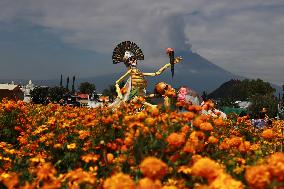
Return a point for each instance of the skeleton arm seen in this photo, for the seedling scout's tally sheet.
(162, 69)
(117, 84)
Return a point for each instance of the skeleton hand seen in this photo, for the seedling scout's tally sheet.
(178, 59)
(119, 95)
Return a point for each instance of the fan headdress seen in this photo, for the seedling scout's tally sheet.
(124, 50)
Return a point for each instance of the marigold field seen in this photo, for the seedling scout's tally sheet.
(55, 146)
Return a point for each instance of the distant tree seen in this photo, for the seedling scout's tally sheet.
(204, 95)
(257, 91)
(39, 95)
(242, 90)
(282, 92)
(268, 101)
(56, 93)
(61, 80)
(111, 91)
(67, 84)
(87, 88)
(73, 85)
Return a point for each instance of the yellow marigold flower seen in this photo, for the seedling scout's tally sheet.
(213, 140)
(78, 176)
(206, 126)
(201, 186)
(176, 139)
(10, 180)
(276, 165)
(110, 158)
(71, 146)
(239, 169)
(169, 187)
(150, 121)
(185, 170)
(258, 177)
(254, 147)
(119, 181)
(267, 134)
(147, 183)
(225, 181)
(207, 168)
(153, 168)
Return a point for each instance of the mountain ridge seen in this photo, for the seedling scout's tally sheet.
(195, 72)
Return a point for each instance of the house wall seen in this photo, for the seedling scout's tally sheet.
(16, 94)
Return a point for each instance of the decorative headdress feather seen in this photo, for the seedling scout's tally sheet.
(121, 48)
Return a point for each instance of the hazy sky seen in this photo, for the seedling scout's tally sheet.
(41, 39)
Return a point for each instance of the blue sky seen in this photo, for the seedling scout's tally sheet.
(41, 39)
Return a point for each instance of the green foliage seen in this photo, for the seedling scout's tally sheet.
(56, 93)
(257, 91)
(267, 101)
(111, 91)
(242, 90)
(43, 95)
(39, 95)
(87, 88)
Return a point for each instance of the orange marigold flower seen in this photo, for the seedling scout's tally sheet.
(185, 129)
(46, 172)
(154, 111)
(224, 144)
(119, 181)
(244, 146)
(197, 122)
(258, 177)
(219, 122)
(188, 115)
(267, 134)
(235, 141)
(206, 126)
(225, 181)
(153, 168)
(276, 165)
(147, 183)
(176, 139)
(90, 158)
(207, 168)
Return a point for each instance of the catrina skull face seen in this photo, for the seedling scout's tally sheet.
(129, 59)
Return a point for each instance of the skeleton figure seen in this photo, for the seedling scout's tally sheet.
(128, 52)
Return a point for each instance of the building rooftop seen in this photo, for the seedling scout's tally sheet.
(8, 86)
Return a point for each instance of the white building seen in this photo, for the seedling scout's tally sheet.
(27, 91)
